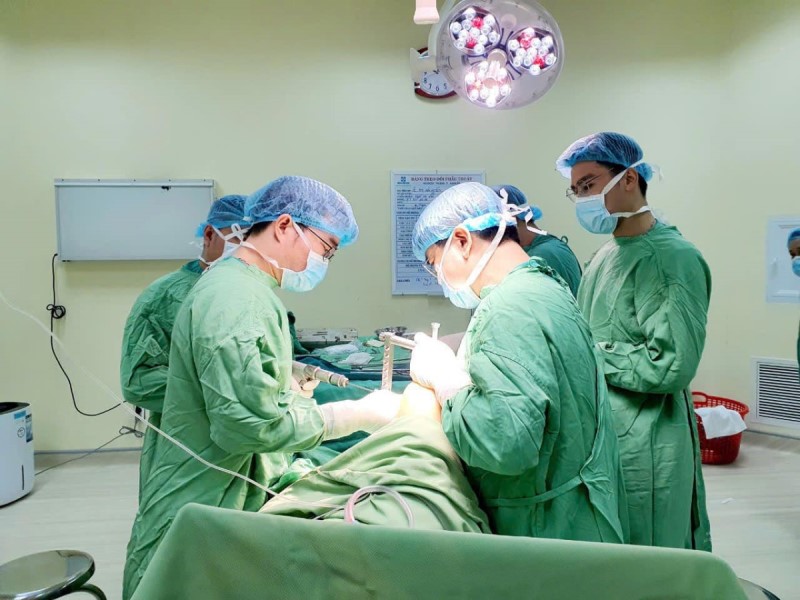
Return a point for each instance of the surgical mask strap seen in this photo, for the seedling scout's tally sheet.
(487, 255)
(628, 215)
(308, 244)
(515, 211)
(252, 247)
(302, 235)
(617, 178)
(236, 232)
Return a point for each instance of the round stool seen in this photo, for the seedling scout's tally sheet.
(756, 592)
(48, 575)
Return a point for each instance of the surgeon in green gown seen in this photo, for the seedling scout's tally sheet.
(555, 251)
(793, 244)
(645, 295)
(148, 330)
(524, 404)
(229, 392)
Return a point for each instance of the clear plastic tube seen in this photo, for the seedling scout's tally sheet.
(349, 508)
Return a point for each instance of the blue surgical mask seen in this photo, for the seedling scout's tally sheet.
(463, 296)
(310, 277)
(592, 212)
(299, 281)
(796, 265)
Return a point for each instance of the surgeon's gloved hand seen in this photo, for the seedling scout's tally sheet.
(368, 414)
(306, 390)
(434, 365)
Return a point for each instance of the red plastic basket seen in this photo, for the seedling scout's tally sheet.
(723, 450)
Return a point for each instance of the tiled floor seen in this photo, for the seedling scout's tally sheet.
(89, 505)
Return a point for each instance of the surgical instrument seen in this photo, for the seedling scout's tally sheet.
(391, 340)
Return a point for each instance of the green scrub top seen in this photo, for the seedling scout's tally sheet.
(534, 430)
(559, 256)
(145, 350)
(646, 300)
(229, 399)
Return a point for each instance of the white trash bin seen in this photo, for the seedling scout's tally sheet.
(16, 451)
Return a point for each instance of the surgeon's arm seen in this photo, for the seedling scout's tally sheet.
(673, 322)
(498, 423)
(143, 368)
(248, 406)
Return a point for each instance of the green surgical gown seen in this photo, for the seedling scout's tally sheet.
(646, 299)
(145, 350)
(559, 256)
(534, 430)
(411, 456)
(229, 399)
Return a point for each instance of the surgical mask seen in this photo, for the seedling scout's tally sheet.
(592, 212)
(796, 265)
(463, 296)
(230, 247)
(298, 281)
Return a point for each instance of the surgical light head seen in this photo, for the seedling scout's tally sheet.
(499, 53)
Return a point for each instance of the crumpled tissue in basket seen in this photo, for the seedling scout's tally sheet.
(719, 421)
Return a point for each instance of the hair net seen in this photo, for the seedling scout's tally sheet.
(473, 205)
(515, 196)
(607, 147)
(794, 235)
(225, 212)
(309, 202)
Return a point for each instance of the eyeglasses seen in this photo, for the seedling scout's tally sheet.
(430, 269)
(329, 250)
(583, 188)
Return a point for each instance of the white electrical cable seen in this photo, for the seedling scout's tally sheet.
(133, 413)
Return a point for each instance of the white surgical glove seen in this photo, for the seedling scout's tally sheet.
(306, 390)
(369, 414)
(434, 365)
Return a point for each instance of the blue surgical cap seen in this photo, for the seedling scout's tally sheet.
(309, 202)
(794, 235)
(515, 196)
(608, 147)
(472, 205)
(225, 212)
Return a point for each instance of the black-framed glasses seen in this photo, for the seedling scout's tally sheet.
(330, 251)
(583, 188)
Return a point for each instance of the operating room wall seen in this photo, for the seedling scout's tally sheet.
(244, 91)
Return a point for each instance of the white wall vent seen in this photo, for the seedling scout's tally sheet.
(776, 391)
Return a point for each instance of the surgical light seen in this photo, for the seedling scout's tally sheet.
(497, 54)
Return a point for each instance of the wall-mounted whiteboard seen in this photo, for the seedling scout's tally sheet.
(412, 191)
(130, 219)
